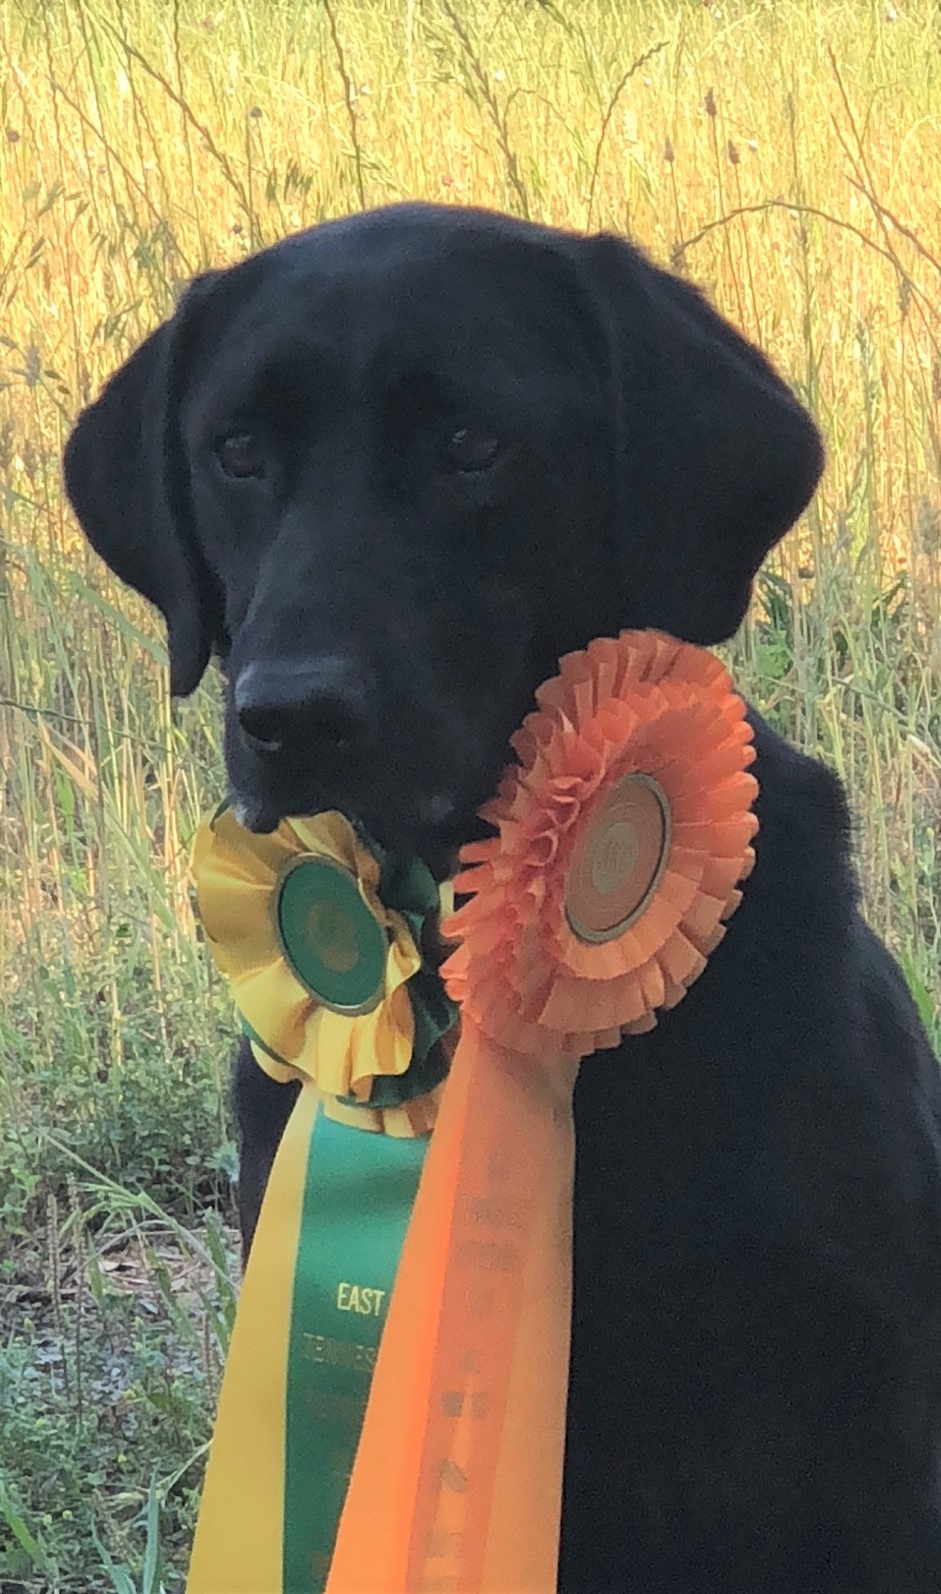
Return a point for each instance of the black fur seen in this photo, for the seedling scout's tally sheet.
(756, 1374)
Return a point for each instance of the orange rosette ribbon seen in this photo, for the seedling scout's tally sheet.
(622, 836)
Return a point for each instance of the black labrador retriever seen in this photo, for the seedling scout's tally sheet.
(388, 471)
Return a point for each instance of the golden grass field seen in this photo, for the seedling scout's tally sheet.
(784, 153)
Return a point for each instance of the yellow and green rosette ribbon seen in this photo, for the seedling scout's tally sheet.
(321, 939)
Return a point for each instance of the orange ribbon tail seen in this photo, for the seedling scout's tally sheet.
(473, 1363)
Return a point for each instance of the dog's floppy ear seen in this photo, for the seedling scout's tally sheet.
(127, 480)
(715, 457)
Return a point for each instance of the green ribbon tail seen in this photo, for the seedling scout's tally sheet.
(358, 1197)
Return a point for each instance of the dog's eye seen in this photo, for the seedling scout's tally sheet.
(470, 449)
(240, 454)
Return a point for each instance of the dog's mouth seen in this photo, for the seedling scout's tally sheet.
(414, 791)
(435, 831)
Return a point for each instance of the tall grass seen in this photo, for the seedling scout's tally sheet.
(785, 153)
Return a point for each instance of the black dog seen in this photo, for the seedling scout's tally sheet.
(389, 471)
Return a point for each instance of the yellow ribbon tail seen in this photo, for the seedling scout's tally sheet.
(245, 1476)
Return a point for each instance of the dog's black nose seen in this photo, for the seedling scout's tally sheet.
(302, 705)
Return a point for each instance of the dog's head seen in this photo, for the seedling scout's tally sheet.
(392, 468)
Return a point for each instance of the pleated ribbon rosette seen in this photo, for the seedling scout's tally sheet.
(320, 938)
(622, 834)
